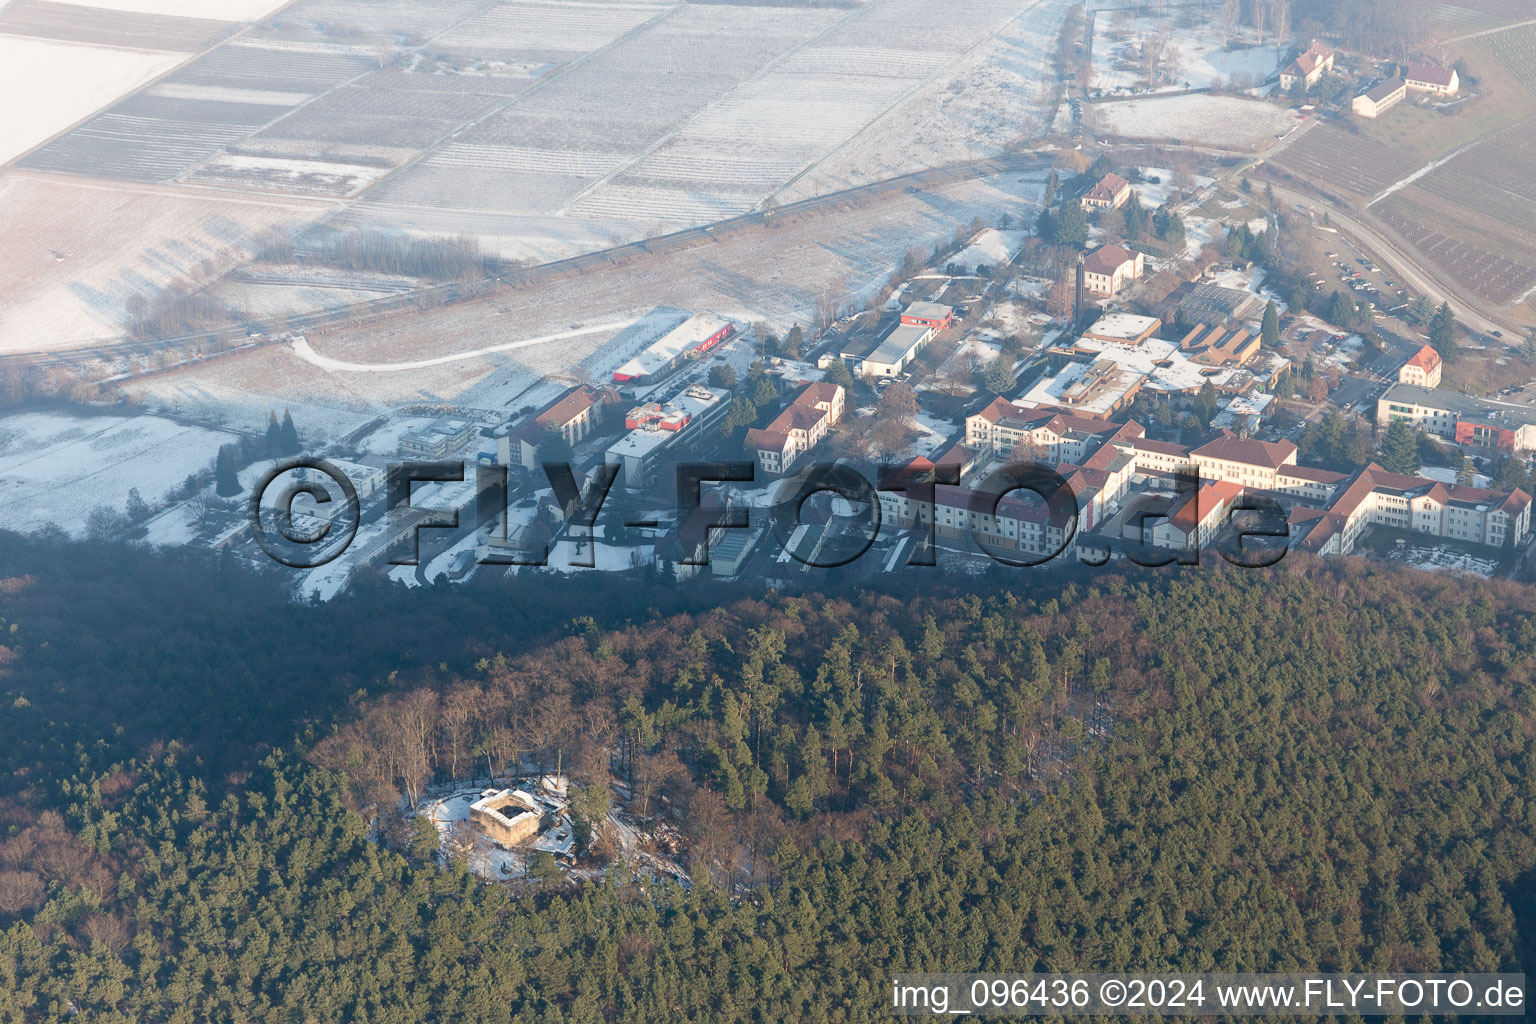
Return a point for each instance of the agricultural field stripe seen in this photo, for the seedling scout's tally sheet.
(302, 348)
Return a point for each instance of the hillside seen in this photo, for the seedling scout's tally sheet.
(1207, 770)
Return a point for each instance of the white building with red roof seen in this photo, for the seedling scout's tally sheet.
(1309, 66)
(1112, 192)
(799, 428)
(1423, 370)
(1110, 268)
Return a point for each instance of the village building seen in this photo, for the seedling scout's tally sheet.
(1309, 67)
(1110, 268)
(1111, 193)
(1432, 78)
(573, 416)
(1125, 328)
(799, 428)
(1195, 520)
(438, 438)
(1381, 98)
(656, 429)
(896, 350)
(1463, 419)
(1423, 370)
(1220, 346)
(929, 314)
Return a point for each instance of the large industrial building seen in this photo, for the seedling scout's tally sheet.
(688, 340)
(1460, 418)
(656, 428)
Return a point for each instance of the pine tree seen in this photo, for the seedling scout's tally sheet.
(793, 341)
(226, 481)
(1071, 225)
(1270, 335)
(290, 436)
(1400, 448)
(838, 374)
(1207, 403)
(1000, 375)
(1442, 332)
(274, 446)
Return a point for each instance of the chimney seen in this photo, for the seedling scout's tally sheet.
(1077, 303)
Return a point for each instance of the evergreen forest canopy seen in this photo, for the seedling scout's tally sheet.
(1323, 765)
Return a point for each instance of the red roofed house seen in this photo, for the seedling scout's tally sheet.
(1056, 437)
(1198, 518)
(1433, 78)
(574, 415)
(1110, 268)
(1423, 369)
(1309, 66)
(1495, 518)
(1244, 460)
(799, 428)
(1112, 192)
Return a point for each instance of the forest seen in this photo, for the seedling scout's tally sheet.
(1324, 765)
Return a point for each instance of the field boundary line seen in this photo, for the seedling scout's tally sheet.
(666, 137)
(891, 107)
(498, 109)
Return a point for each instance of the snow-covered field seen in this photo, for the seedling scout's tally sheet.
(57, 467)
(1230, 122)
(49, 85)
(991, 248)
(72, 251)
(1197, 58)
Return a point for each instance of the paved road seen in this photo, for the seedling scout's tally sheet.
(1389, 254)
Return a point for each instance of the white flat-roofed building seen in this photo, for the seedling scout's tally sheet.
(689, 339)
(896, 352)
(663, 426)
(437, 438)
(1128, 328)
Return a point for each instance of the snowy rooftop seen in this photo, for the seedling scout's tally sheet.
(1091, 388)
(686, 336)
(1125, 326)
(690, 402)
(1166, 368)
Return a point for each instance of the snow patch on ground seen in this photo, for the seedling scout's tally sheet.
(48, 85)
(1226, 121)
(56, 467)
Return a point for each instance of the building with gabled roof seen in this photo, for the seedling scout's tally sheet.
(1310, 65)
(1423, 370)
(799, 428)
(1219, 345)
(1417, 505)
(1432, 78)
(1112, 192)
(1195, 520)
(1109, 268)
